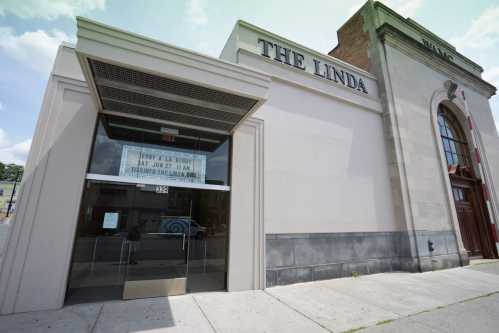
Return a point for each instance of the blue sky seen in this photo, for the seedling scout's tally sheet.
(31, 30)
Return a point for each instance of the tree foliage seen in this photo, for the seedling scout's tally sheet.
(9, 172)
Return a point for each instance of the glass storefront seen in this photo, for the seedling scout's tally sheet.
(144, 151)
(148, 238)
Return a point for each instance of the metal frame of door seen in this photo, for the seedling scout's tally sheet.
(133, 289)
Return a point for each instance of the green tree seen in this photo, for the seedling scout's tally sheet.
(9, 172)
(2, 171)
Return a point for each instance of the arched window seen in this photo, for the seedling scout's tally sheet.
(454, 141)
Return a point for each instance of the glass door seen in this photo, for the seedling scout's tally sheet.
(154, 214)
(132, 242)
(137, 241)
(157, 242)
(98, 265)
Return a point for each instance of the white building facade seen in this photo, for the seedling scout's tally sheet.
(158, 171)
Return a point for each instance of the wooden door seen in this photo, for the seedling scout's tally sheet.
(473, 217)
(467, 220)
(471, 207)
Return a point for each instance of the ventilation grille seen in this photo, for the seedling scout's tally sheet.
(161, 104)
(167, 116)
(146, 80)
(133, 92)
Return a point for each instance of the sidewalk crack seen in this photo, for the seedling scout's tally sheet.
(297, 311)
(204, 314)
(92, 329)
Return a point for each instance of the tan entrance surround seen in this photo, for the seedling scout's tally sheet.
(40, 241)
(470, 213)
(469, 202)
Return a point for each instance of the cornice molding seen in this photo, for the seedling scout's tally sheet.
(422, 30)
(412, 24)
(394, 37)
(98, 32)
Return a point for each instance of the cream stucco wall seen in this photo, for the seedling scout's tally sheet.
(326, 166)
(414, 84)
(35, 268)
(488, 141)
(34, 271)
(315, 158)
(246, 232)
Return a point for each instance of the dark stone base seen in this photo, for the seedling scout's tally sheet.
(433, 263)
(283, 276)
(293, 258)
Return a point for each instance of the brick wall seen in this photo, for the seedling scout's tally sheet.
(353, 43)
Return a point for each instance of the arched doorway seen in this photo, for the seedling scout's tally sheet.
(466, 187)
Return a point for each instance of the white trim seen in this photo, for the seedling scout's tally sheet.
(113, 46)
(246, 254)
(371, 103)
(122, 48)
(453, 71)
(90, 28)
(138, 129)
(131, 180)
(165, 122)
(439, 96)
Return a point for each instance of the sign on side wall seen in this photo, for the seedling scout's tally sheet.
(158, 164)
(321, 68)
(437, 50)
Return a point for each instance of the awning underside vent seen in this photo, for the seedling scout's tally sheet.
(133, 92)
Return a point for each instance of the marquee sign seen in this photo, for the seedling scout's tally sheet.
(321, 69)
(158, 164)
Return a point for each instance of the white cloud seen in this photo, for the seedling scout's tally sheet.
(406, 8)
(483, 32)
(3, 138)
(36, 49)
(492, 76)
(49, 9)
(196, 13)
(13, 152)
(1, 106)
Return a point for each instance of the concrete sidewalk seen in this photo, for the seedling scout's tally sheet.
(454, 300)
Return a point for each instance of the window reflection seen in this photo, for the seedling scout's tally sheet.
(143, 150)
(459, 194)
(133, 233)
(453, 139)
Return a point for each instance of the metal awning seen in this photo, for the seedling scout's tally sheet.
(137, 77)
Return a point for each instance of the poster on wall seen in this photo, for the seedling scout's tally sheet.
(158, 164)
(110, 220)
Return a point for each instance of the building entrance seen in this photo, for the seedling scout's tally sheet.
(470, 206)
(154, 213)
(136, 241)
(469, 213)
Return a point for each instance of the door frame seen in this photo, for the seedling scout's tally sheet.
(459, 106)
(172, 286)
(480, 214)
